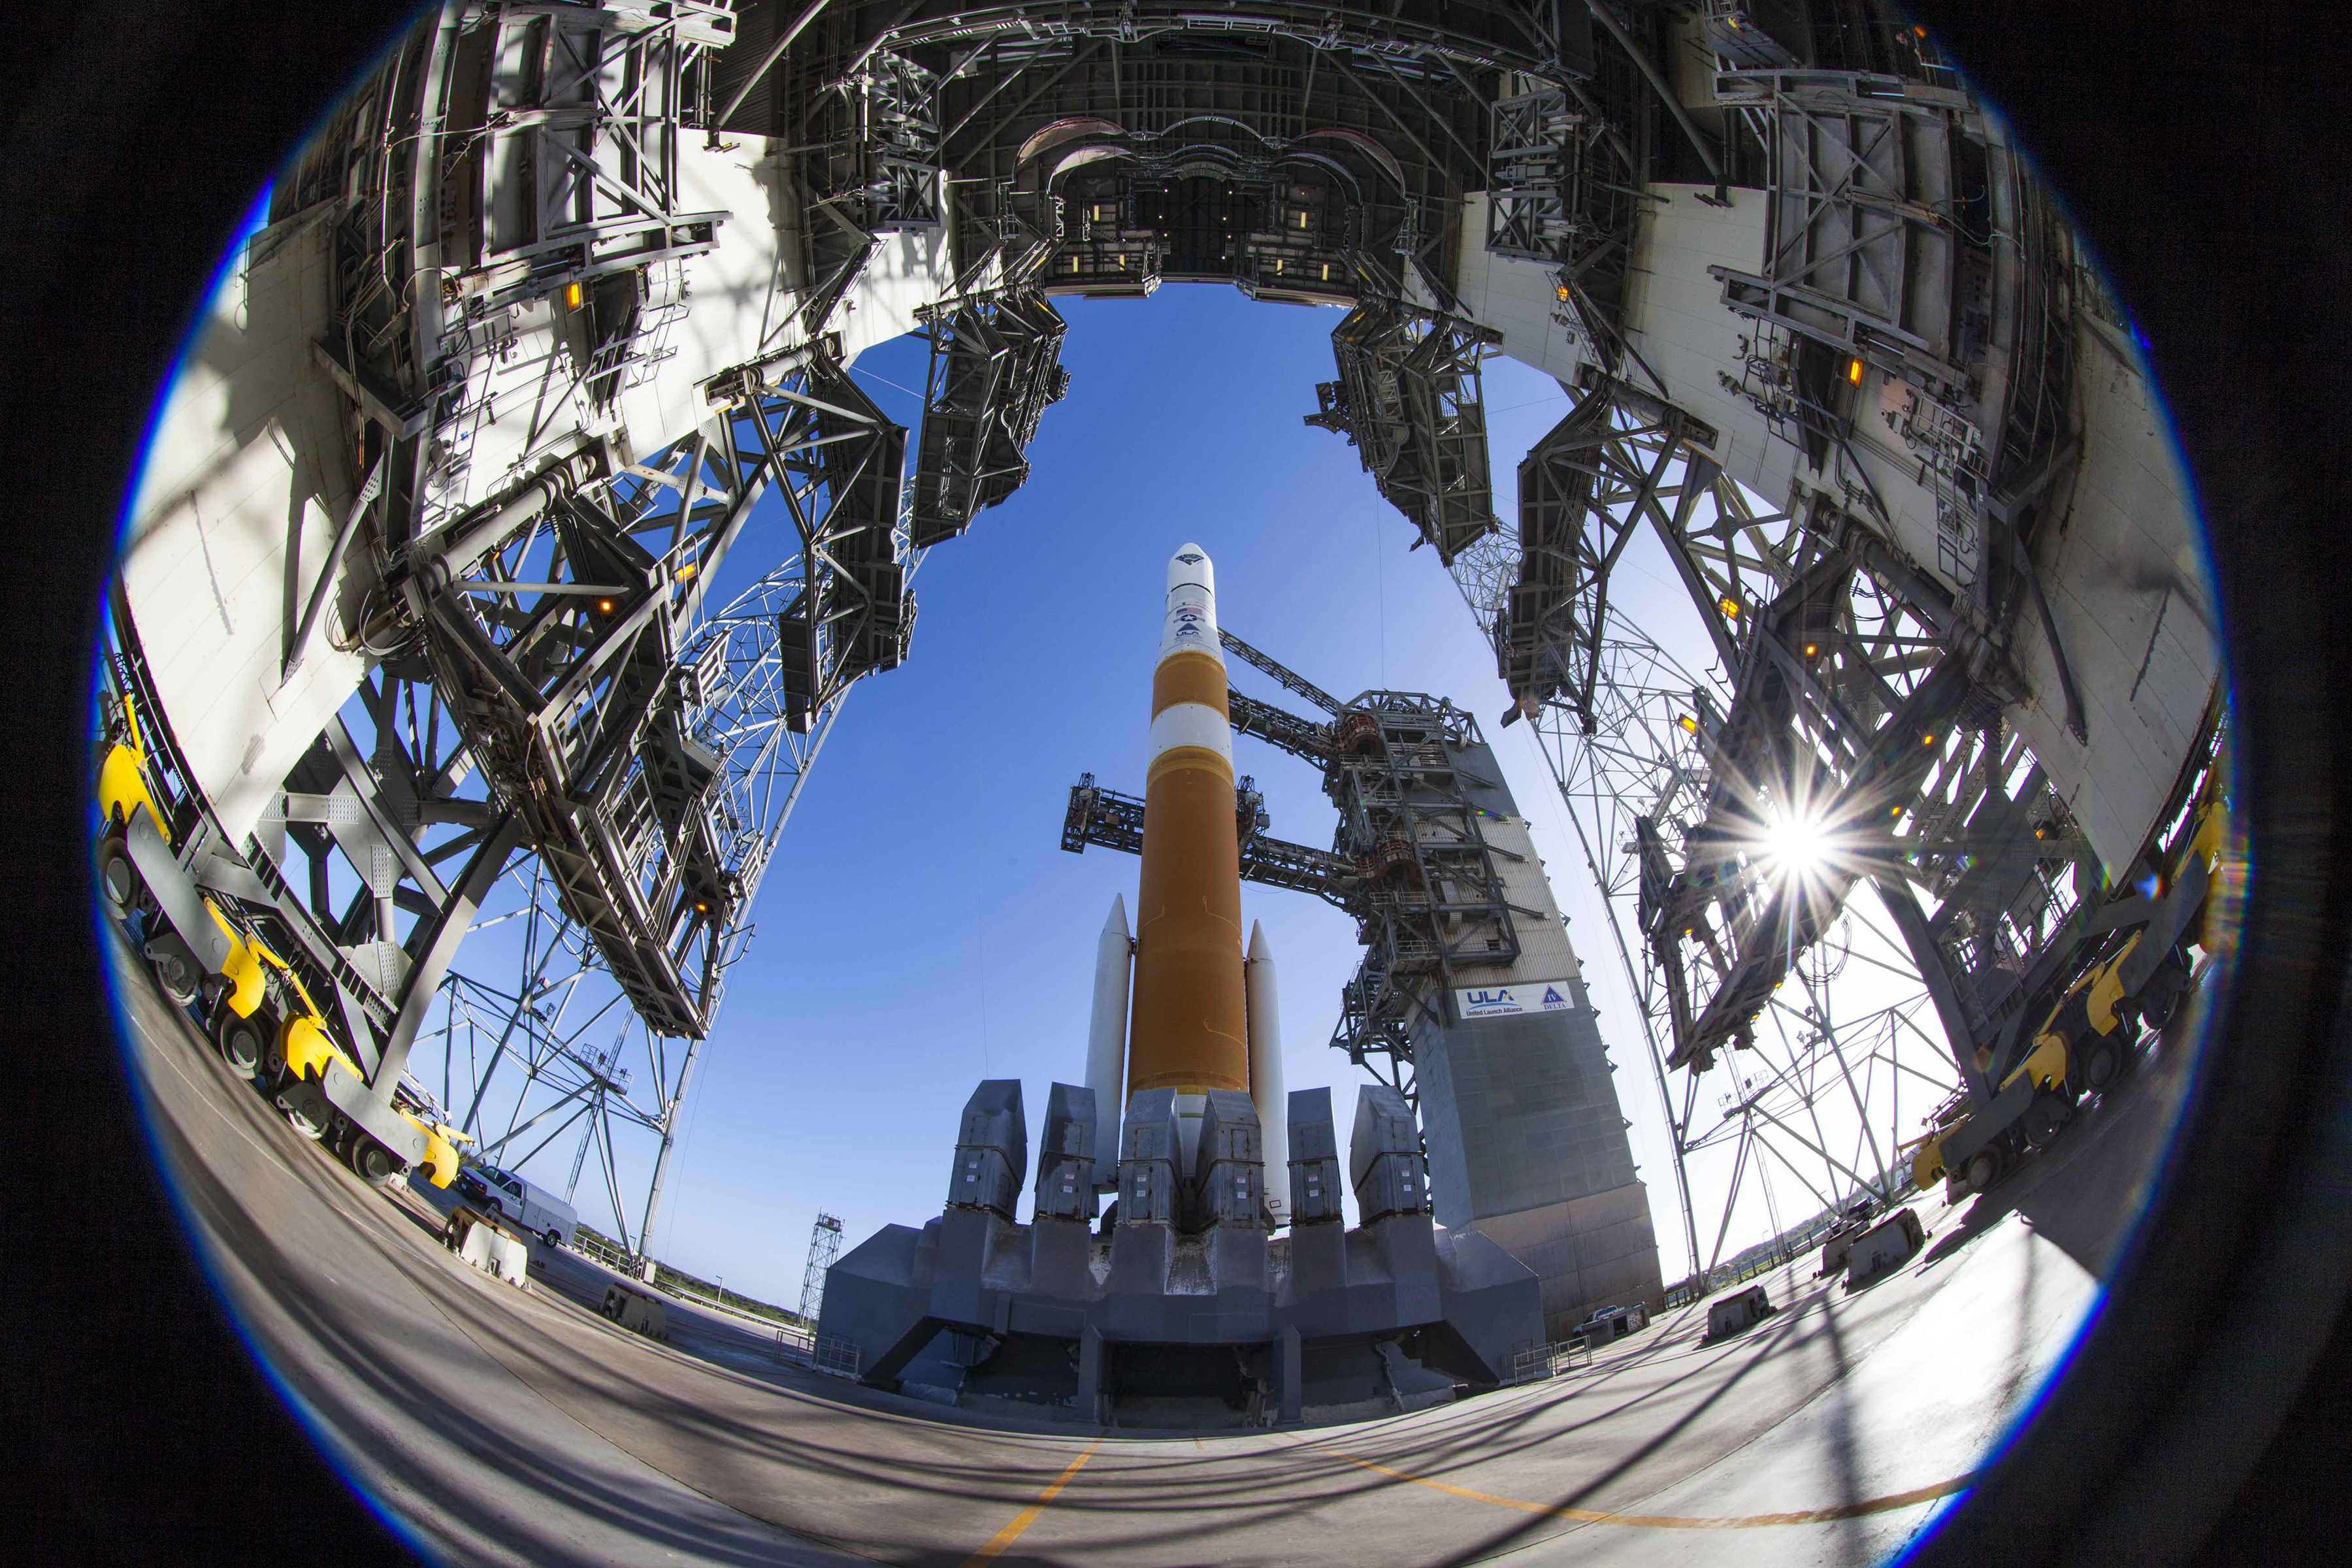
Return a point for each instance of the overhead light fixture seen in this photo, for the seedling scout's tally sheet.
(1854, 373)
(1926, 740)
(1561, 290)
(1729, 606)
(571, 296)
(605, 606)
(1688, 722)
(1811, 648)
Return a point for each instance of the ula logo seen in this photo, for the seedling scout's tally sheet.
(1490, 998)
(1190, 558)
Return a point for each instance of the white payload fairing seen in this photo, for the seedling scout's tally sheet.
(1183, 1006)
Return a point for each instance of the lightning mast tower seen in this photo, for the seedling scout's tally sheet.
(824, 1246)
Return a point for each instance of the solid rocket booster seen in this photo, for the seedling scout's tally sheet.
(1268, 1091)
(1107, 1043)
(1189, 1027)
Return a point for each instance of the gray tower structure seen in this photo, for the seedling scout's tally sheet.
(1518, 1104)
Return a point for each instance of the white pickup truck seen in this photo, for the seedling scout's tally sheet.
(533, 1208)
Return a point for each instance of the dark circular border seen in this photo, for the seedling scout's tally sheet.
(2201, 153)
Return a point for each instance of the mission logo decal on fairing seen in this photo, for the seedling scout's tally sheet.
(1504, 1001)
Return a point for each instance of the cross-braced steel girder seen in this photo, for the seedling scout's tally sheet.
(995, 365)
(1411, 400)
(559, 736)
(1109, 820)
(557, 619)
(1852, 698)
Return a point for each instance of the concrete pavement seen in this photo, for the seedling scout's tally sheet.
(507, 1426)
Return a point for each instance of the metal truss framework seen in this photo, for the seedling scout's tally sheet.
(995, 366)
(1834, 700)
(560, 738)
(825, 1247)
(1411, 401)
(1850, 694)
(585, 1055)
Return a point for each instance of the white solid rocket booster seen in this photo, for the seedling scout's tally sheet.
(1266, 1091)
(1107, 1043)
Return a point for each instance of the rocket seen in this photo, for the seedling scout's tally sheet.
(1189, 1027)
(1198, 1012)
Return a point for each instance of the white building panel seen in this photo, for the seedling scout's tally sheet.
(2121, 561)
(1518, 299)
(748, 268)
(907, 272)
(247, 482)
(1675, 319)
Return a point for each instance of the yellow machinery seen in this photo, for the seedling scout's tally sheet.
(2087, 1036)
(259, 1014)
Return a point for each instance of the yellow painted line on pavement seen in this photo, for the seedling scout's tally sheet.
(1028, 1516)
(1667, 1520)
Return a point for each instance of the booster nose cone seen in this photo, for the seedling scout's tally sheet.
(1192, 564)
(1191, 612)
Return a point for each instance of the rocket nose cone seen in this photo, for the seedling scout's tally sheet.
(1191, 565)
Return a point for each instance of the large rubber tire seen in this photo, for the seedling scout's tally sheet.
(176, 974)
(2102, 1060)
(2161, 999)
(307, 1110)
(553, 1239)
(1984, 1169)
(119, 886)
(2045, 1118)
(242, 1042)
(371, 1161)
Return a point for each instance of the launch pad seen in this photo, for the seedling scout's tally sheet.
(1184, 1303)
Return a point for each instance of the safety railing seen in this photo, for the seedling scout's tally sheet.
(1533, 1364)
(595, 1249)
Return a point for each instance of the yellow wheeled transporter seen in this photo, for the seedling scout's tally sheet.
(2138, 971)
(209, 958)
